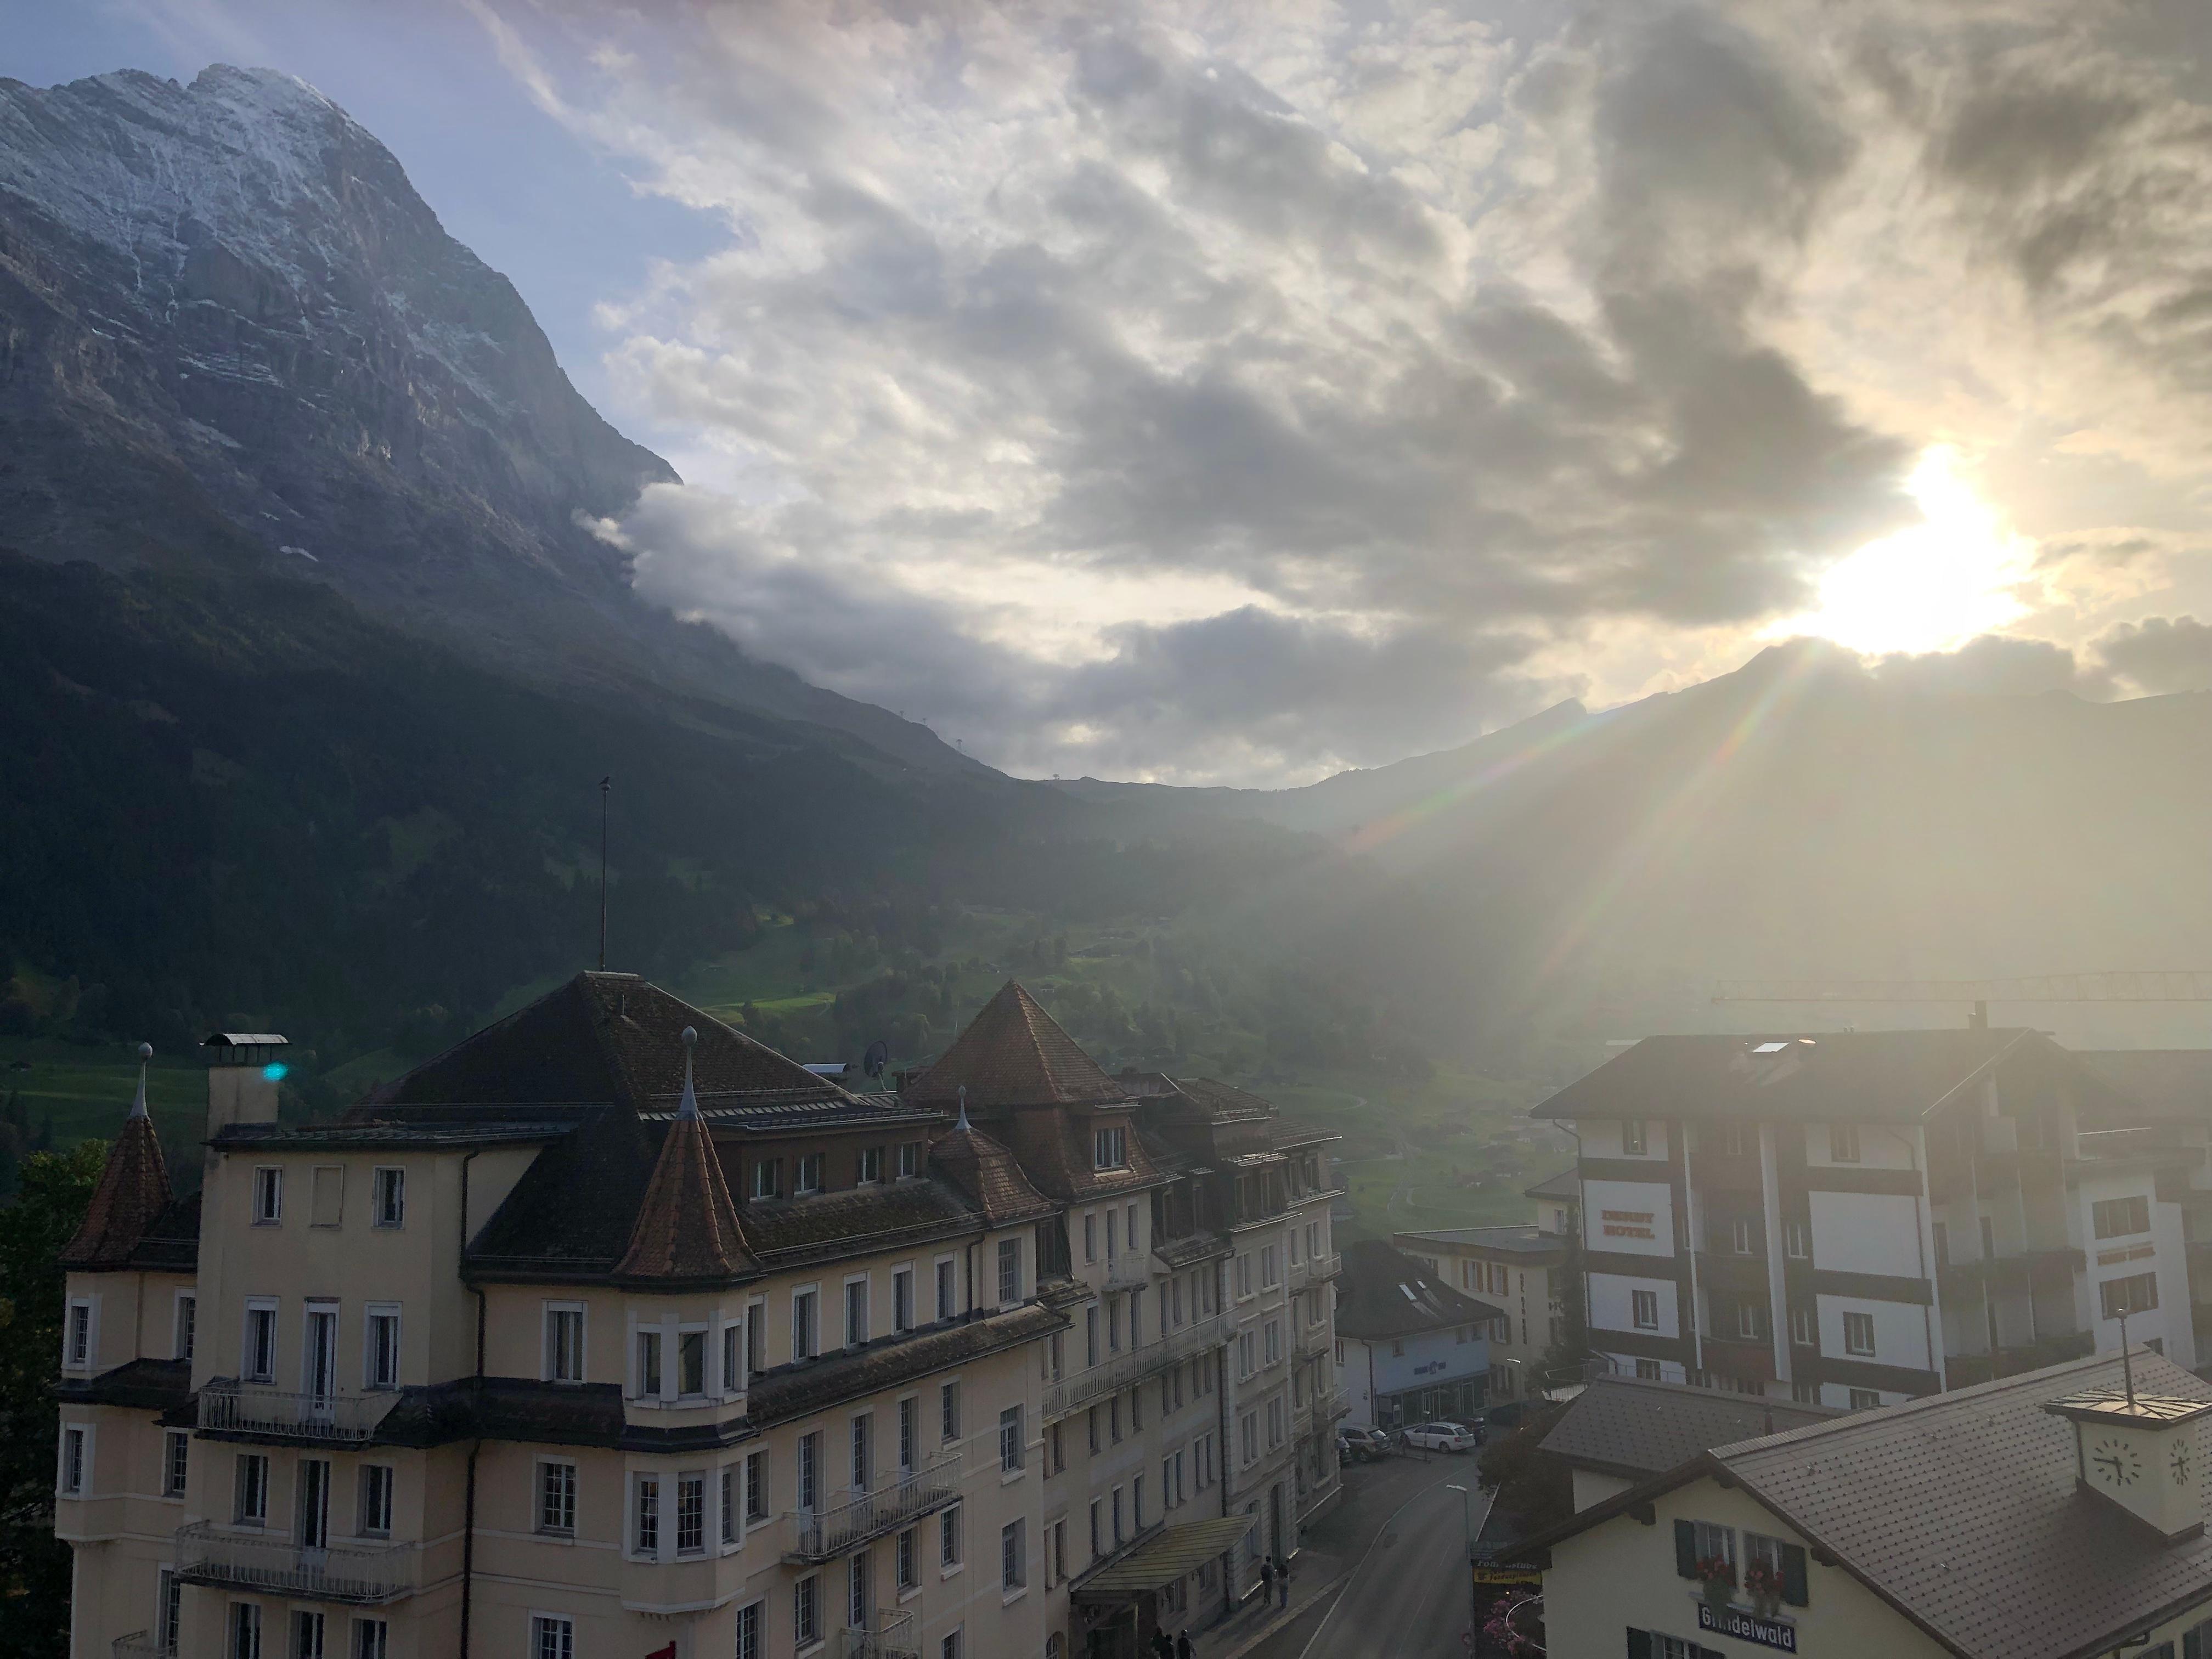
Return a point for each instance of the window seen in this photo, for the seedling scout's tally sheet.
(690, 1513)
(951, 1647)
(806, 1610)
(1740, 1236)
(649, 1366)
(872, 1165)
(749, 1631)
(1111, 1147)
(909, 1435)
(858, 1587)
(312, 1495)
(864, 1461)
(1009, 1272)
(1794, 1242)
(755, 1486)
(803, 1325)
(326, 1195)
(1859, 1333)
(553, 1636)
(76, 1340)
(176, 1462)
(947, 1303)
(564, 1342)
(1097, 1530)
(1802, 1330)
(1012, 1569)
(810, 1471)
(902, 1300)
(1632, 1139)
(1739, 1140)
(70, 1480)
(909, 1159)
(1654, 1645)
(733, 1359)
(169, 1609)
(1843, 1143)
(2135, 1294)
(1010, 1438)
(1090, 1235)
(690, 1364)
(810, 1173)
(1269, 1273)
(373, 1511)
(768, 1177)
(372, 1639)
(905, 1560)
(1865, 1399)
(1751, 1322)
(948, 1537)
(1643, 1310)
(245, 1629)
(1805, 1394)
(727, 1504)
(1273, 1331)
(2119, 1217)
(268, 1197)
(1647, 1370)
(250, 1491)
(306, 1635)
(948, 1412)
(387, 1198)
(856, 1313)
(381, 1350)
(187, 1317)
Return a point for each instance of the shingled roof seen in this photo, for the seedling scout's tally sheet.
(687, 1228)
(2161, 1083)
(1014, 1054)
(1385, 1293)
(988, 1174)
(1627, 1426)
(1863, 1076)
(132, 1193)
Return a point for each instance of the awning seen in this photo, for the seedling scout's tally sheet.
(1173, 1554)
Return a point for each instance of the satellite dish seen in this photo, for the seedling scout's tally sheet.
(878, 1057)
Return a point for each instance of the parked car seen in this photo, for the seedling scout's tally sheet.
(1357, 1441)
(1441, 1437)
(1472, 1425)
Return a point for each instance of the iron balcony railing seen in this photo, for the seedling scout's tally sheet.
(341, 1418)
(1315, 1268)
(139, 1645)
(898, 1502)
(886, 1635)
(1114, 1374)
(274, 1565)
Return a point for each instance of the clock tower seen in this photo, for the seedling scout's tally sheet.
(2140, 1451)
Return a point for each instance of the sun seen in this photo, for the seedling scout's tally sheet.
(1931, 587)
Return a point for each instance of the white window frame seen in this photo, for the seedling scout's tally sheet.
(73, 1466)
(364, 1483)
(708, 1360)
(636, 1544)
(1109, 1148)
(640, 1331)
(541, 1469)
(370, 1314)
(689, 1480)
(947, 1288)
(845, 1311)
(84, 1356)
(730, 1342)
(267, 1196)
(811, 1295)
(387, 1180)
(184, 1327)
(951, 1540)
(909, 1159)
(903, 1277)
(173, 1479)
(1013, 1558)
(552, 1635)
(1866, 1319)
(247, 1371)
(1005, 1245)
(547, 1360)
(1638, 1302)
(806, 1174)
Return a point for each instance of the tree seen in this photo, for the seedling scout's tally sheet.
(1535, 1488)
(34, 1566)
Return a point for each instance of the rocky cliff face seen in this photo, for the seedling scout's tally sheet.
(230, 330)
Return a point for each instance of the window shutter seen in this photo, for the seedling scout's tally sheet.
(1639, 1644)
(1793, 1575)
(1686, 1549)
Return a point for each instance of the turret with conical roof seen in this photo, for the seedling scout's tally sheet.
(133, 1190)
(687, 1228)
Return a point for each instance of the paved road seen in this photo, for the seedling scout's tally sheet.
(1407, 1597)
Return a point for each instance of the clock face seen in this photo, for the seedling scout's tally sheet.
(2113, 1461)
(2178, 1466)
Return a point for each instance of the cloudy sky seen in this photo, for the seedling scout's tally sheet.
(1239, 391)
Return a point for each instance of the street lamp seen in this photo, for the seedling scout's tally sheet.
(1467, 1533)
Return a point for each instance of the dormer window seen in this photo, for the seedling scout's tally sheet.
(1111, 1148)
(909, 1159)
(768, 1178)
(810, 1173)
(872, 1165)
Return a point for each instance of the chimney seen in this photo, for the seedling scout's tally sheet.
(2138, 1451)
(244, 1068)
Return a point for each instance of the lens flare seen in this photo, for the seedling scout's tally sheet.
(276, 1071)
(1931, 587)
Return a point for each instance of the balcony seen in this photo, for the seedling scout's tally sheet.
(341, 1419)
(1314, 1269)
(1313, 1339)
(1123, 1370)
(140, 1645)
(887, 1636)
(1131, 1271)
(845, 1527)
(273, 1564)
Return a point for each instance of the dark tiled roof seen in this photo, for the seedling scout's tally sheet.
(1640, 1429)
(359, 1135)
(1014, 1054)
(1223, 1100)
(604, 1037)
(171, 1244)
(987, 1174)
(687, 1228)
(1567, 1184)
(146, 1385)
(786, 1231)
(1385, 1293)
(1521, 1240)
(132, 1193)
(791, 1391)
(1886, 1076)
(2158, 1083)
(1963, 1510)
(575, 1209)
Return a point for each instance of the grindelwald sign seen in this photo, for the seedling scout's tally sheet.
(1779, 1633)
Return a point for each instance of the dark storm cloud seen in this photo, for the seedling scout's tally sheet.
(2162, 653)
(1994, 665)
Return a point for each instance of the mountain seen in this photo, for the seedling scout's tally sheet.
(232, 334)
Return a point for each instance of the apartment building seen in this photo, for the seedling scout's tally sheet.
(611, 1330)
(2059, 1513)
(1410, 1348)
(1519, 1269)
(1858, 1218)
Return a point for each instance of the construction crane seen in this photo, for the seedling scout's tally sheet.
(2182, 985)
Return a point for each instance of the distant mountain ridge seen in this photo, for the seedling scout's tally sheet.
(235, 334)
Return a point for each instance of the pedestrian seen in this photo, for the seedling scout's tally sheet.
(1161, 1647)
(1283, 1580)
(1184, 1647)
(1266, 1579)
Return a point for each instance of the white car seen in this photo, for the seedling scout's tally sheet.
(1441, 1437)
